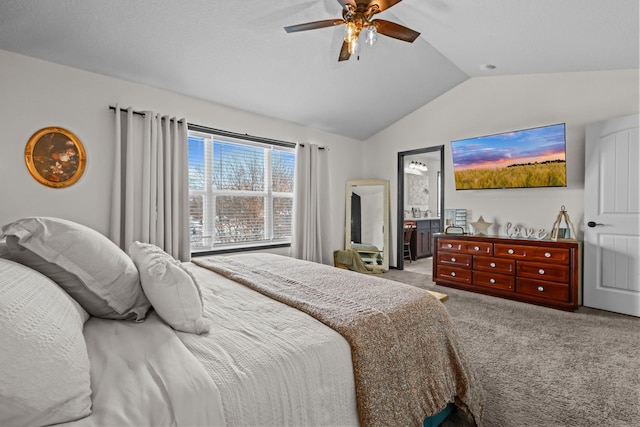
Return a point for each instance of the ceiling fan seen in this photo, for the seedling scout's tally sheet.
(357, 16)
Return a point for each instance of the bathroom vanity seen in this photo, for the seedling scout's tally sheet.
(422, 237)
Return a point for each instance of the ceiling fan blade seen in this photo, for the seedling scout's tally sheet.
(313, 25)
(397, 31)
(382, 4)
(344, 52)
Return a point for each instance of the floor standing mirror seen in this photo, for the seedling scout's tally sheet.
(367, 220)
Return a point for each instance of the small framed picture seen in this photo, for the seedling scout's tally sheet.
(55, 157)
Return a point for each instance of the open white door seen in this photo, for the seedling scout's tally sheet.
(612, 216)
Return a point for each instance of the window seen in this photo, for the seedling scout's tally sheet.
(240, 192)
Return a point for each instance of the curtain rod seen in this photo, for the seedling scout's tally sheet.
(319, 147)
(245, 136)
(221, 132)
(137, 113)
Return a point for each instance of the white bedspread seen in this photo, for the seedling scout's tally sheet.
(273, 364)
(142, 375)
(262, 364)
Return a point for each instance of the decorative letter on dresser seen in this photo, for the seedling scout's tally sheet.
(542, 272)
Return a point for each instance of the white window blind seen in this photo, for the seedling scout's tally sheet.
(240, 193)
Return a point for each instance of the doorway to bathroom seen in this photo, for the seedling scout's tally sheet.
(420, 206)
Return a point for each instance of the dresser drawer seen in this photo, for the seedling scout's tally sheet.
(556, 255)
(510, 251)
(497, 265)
(454, 259)
(454, 274)
(492, 280)
(532, 253)
(451, 245)
(542, 271)
(545, 290)
(480, 248)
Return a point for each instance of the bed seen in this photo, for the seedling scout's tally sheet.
(138, 338)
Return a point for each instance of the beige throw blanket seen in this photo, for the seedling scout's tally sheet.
(407, 359)
(351, 259)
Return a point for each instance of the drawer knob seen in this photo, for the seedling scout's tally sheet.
(477, 248)
(453, 260)
(492, 265)
(511, 251)
(547, 254)
(449, 245)
(453, 274)
(540, 289)
(541, 271)
(492, 280)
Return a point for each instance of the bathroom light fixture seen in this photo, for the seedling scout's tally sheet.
(418, 166)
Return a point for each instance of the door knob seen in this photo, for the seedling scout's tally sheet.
(593, 224)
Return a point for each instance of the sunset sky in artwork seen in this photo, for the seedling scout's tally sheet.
(505, 149)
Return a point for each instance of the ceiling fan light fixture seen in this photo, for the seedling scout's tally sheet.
(352, 33)
(372, 35)
(354, 47)
(358, 16)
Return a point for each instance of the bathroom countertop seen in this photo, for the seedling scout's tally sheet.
(422, 218)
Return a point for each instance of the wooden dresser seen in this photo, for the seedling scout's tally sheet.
(542, 272)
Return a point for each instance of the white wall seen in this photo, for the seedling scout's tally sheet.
(36, 94)
(488, 105)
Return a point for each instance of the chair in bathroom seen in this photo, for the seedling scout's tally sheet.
(408, 232)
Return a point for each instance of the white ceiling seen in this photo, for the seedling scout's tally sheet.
(236, 52)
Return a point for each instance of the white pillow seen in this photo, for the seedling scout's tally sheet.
(90, 267)
(43, 355)
(173, 292)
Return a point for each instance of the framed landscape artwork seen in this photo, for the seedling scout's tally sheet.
(55, 157)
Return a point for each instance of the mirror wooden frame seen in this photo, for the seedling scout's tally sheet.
(386, 207)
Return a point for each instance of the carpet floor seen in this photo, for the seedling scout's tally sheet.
(545, 367)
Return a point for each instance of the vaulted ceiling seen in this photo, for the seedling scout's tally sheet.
(236, 52)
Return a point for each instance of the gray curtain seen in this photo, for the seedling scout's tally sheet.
(150, 182)
(311, 230)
